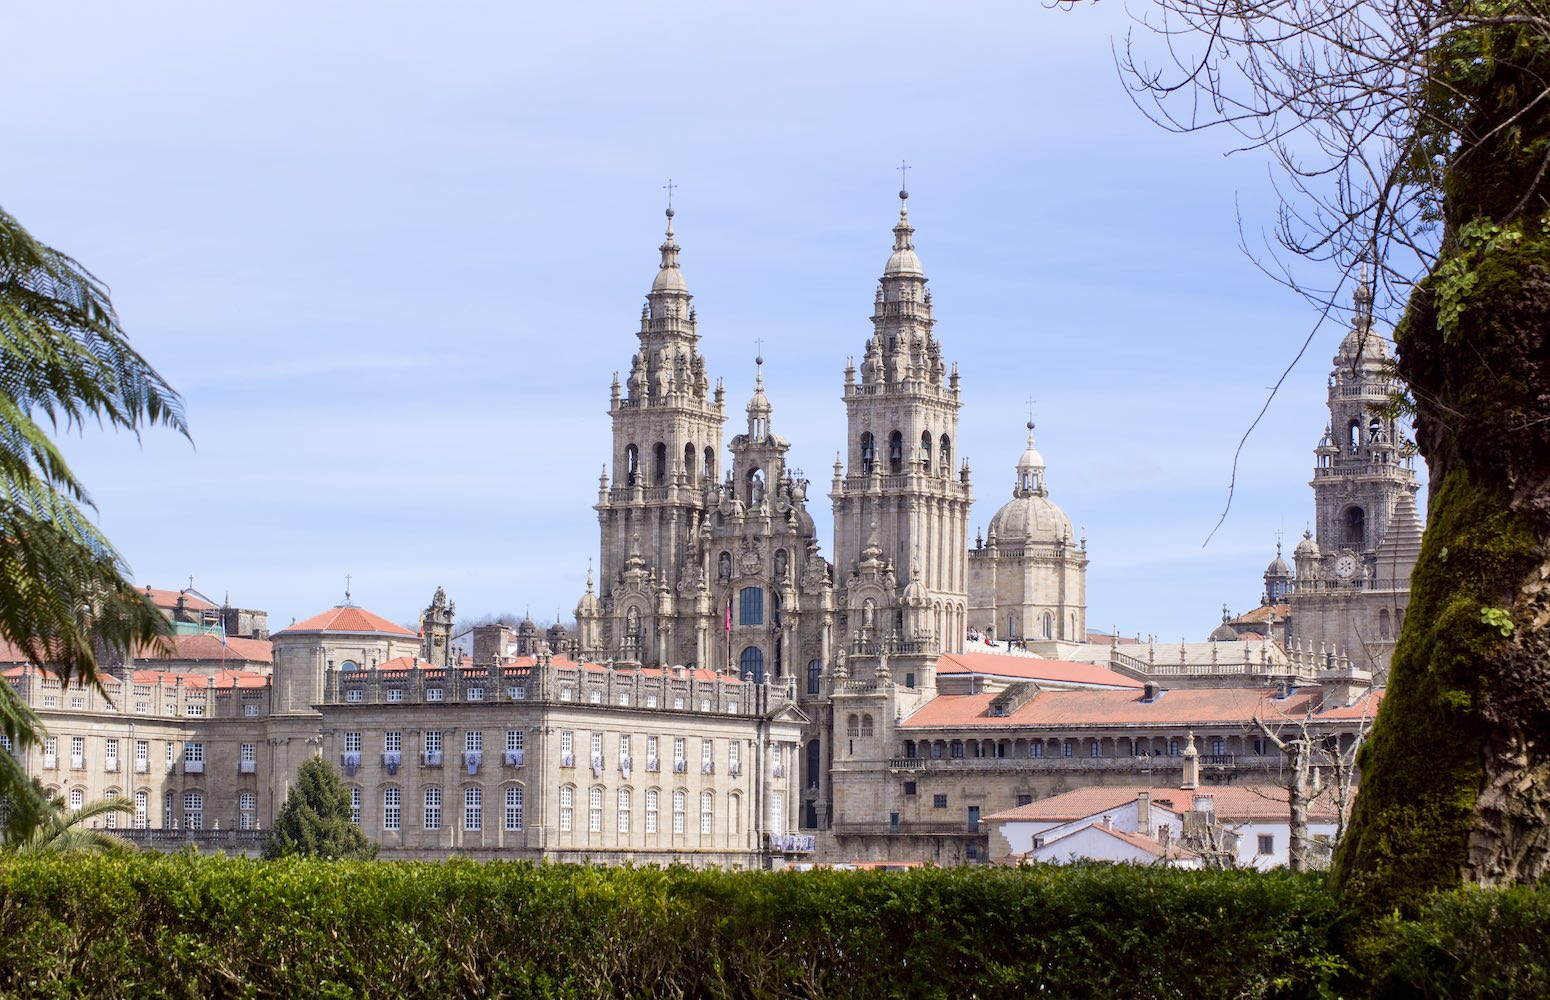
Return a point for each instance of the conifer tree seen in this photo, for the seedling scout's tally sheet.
(315, 820)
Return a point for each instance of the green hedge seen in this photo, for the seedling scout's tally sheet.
(189, 927)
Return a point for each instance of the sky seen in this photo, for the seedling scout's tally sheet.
(391, 255)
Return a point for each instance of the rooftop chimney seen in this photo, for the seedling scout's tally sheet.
(1144, 814)
(1191, 764)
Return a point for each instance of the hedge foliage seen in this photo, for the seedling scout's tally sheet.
(182, 926)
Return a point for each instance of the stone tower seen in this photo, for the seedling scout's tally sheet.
(1353, 570)
(436, 630)
(1028, 576)
(667, 430)
(901, 514)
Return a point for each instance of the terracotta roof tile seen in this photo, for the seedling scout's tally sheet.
(347, 618)
(1364, 707)
(1034, 669)
(1116, 708)
(219, 679)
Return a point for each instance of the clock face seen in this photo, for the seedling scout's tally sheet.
(1345, 566)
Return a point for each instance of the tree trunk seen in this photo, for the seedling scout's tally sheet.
(1456, 774)
(1297, 799)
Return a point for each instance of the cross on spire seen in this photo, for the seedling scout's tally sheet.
(904, 177)
(347, 588)
(1030, 401)
(759, 347)
(668, 187)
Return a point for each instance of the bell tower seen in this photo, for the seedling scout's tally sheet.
(667, 426)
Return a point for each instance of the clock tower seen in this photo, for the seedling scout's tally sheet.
(1353, 568)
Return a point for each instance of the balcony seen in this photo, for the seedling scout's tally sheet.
(50, 761)
(111, 764)
(472, 759)
(706, 767)
(193, 767)
(923, 828)
(351, 759)
(567, 760)
(653, 764)
(247, 767)
(625, 764)
(514, 758)
(77, 762)
(142, 767)
(597, 765)
(779, 770)
(793, 843)
(392, 760)
(680, 766)
(734, 769)
(430, 758)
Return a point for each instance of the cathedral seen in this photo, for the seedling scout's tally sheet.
(720, 567)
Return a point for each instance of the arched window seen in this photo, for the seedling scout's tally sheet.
(473, 808)
(513, 813)
(349, 665)
(735, 814)
(866, 724)
(751, 665)
(689, 464)
(77, 798)
(631, 464)
(955, 749)
(707, 810)
(868, 453)
(1383, 623)
(659, 472)
(945, 455)
(1354, 435)
(750, 606)
(142, 809)
(853, 725)
(1372, 429)
(710, 465)
(1049, 625)
(355, 805)
(814, 763)
(567, 808)
(679, 798)
(925, 453)
(814, 676)
(392, 809)
(652, 805)
(896, 453)
(193, 809)
(595, 809)
(1356, 528)
(623, 802)
(432, 816)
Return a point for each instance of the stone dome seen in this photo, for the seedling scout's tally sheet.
(1307, 547)
(1031, 517)
(1224, 633)
(904, 262)
(1278, 569)
(669, 279)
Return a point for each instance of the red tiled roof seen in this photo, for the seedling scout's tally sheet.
(347, 618)
(220, 679)
(169, 599)
(1261, 614)
(1233, 803)
(561, 662)
(210, 648)
(1135, 840)
(1117, 708)
(1364, 707)
(1033, 669)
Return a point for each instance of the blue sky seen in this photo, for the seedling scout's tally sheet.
(392, 254)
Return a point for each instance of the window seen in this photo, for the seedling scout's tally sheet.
(517, 692)
(778, 812)
(1267, 843)
(392, 808)
(77, 799)
(1173, 747)
(678, 811)
(651, 701)
(595, 697)
(651, 810)
(395, 694)
(193, 753)
(513, 808)
(678, 702)
(624, 747)
(1218, 746)
(595, 810)
(734, 757)
(1068, 748)
(251, 711)
(142, 755)
(433, 741)
(473, 741)
(352, 742)
(352, 695)
(1092, 748)
(705, 704)
(1024, 800)
(707, 750)
(393, 742)
(624, 810)
(193, 709)
(111, 819)
(909, 788)
(895, 453)
(433, 808)
(972, 852)
(939, 801)
(110, 757)
(624, 699)
(142, 809)
(433, 694)
(597, 746)
(567, 807)
(678, 753)
(1036, 749)
(355, 805)
(707, 810)
(866, 724)
(51, 751)
(474, 694)
(565, 694)
(77, 751)
(514, 741)
(750, 606)
(473, 808)
(248, 753)
(194, 810)
(814, 676)
(167, 822)
(957, 749)
(751, 666)
(651, 753)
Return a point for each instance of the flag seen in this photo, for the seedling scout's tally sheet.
(729, 615)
